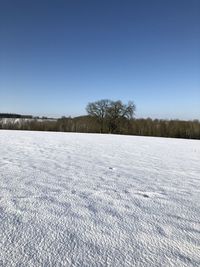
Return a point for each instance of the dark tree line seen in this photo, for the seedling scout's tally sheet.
(107, 116)
(16, 116)
(88, 124)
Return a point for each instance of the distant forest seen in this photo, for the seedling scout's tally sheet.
(89, 124)
(15, 116)
(105, 116)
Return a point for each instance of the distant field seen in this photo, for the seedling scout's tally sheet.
(69, 199)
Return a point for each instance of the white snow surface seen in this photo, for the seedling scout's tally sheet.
(70, 199)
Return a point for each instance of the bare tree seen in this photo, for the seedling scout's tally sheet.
(99, 110)
(118, 113)
(111, 113)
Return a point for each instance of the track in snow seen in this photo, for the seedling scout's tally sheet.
(71, 199)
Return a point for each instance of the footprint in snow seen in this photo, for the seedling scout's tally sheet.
(145, 195)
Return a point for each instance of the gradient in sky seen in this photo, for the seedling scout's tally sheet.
(56, 56)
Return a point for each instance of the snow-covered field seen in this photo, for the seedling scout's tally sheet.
(71, 199)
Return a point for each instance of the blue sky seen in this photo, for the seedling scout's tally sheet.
(56, 56)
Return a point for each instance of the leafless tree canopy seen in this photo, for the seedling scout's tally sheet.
(111, 114)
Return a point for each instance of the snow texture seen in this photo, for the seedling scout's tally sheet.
(71, 199)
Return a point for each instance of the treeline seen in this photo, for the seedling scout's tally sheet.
(15, 116)
(105, 116)
(143, 127)
(91, 124)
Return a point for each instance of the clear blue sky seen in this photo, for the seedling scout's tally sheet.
(56, 56)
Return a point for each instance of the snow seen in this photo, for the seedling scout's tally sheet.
(21, 121)
(70, 199)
